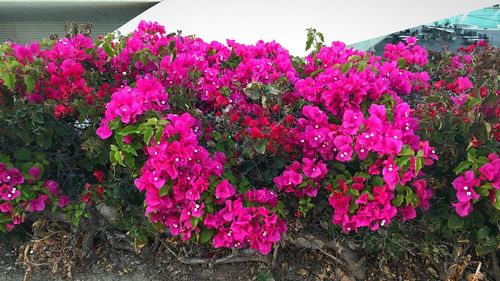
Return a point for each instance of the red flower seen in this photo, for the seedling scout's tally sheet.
(99, 175)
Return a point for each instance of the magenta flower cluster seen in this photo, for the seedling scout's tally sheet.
(467, 185)
(352, 113)
(35, 199)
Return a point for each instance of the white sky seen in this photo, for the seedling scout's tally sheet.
(285, 21)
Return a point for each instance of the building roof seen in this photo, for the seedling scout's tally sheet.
(23, 21)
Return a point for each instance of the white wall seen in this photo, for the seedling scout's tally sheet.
(285, 21)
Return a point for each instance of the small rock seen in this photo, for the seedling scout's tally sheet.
(302, 271)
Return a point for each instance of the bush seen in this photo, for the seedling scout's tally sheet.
(228, 143)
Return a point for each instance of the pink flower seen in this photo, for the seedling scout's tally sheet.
(224, 190)
(289, 178)
(411, 41)
(459, 100)
(488, 170)
(343, 144)
(38, 204)
(463, 84)
(12, 177)
(466, 181)
(390, 173)
(313, 170)
(104, 132)
(52, 186)
(408, 212)
(423, 192)
(262, 196)
(63, 201)
(5, 207)
(463, 208)
(351, 121)
(35, 172)
(8, 192)
(467, 194)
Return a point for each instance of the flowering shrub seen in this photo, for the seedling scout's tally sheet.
(459, 115)
(345, 109)
(225, 141)
(487, 185)
(23, 194)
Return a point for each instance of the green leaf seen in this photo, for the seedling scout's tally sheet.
(362, 66)
(129, 130)
(484, 190)
(206, 235)
(143, 59)
(497, 199)
(23, 154)
(403, 161)
(483, 250)
(398, 200)
(194, 221)
(159, 133)
(108, 49)
(130, 160)
(163, 191)
(38, 118)
(418, 164)
(377, 181)
(253, 91)
(320, 36)
(43, 141)
(464, 165)
(309, 42)
(482, 233)
(119, 157)
(454, 222)
(148, 133)
(30, 83)
(9, 80)
(353, 192)
(409, 193)
(406, 151)
(261, 146)
(345, 67)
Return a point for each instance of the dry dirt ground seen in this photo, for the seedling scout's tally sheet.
(108, 263)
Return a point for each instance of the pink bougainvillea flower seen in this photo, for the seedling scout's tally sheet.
(224, 190)
(38, 204)
(490, 170)
(35, 172)
(5, 207)
(8, 192)
(63, 201)
(463, 84)
(408, 212)
(466, 181)
(52, 186)
(12, 177)
(104, 132)
(312, 169)
(351, 121)
(463, 208)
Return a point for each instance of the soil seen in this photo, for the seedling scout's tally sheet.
(106, 263)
